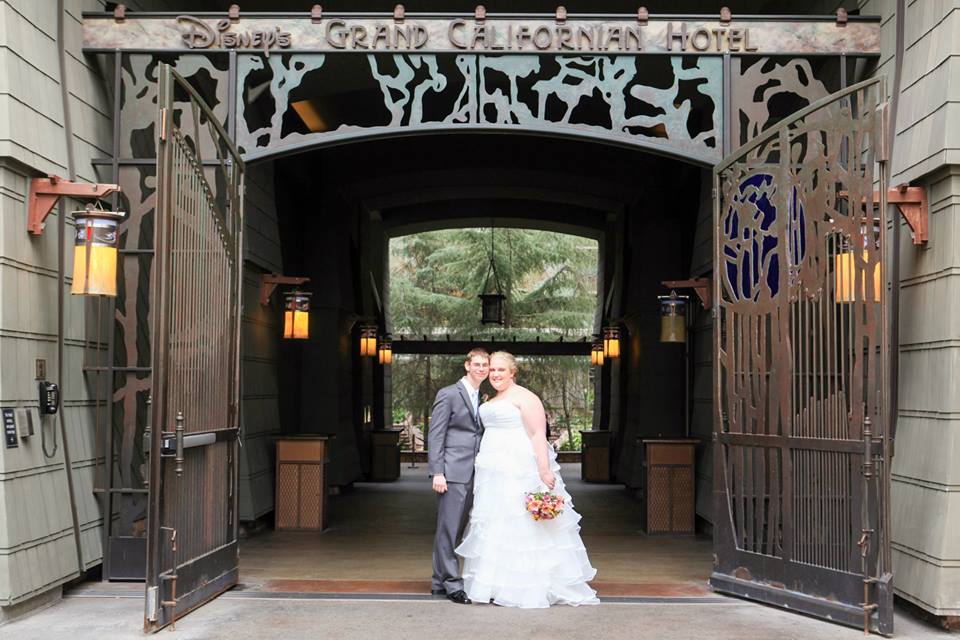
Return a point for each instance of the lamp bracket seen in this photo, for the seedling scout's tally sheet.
(270, 281)
(701, 286)
(912, 202)
(44, 193)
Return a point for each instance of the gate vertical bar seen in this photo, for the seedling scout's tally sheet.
(158, 295)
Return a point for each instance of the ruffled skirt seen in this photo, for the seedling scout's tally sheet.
(510, 558)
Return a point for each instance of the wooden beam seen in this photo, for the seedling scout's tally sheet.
(518, 348)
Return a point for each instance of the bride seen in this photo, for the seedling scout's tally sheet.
(510, 558)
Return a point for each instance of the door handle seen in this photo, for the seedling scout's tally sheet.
(178, 460)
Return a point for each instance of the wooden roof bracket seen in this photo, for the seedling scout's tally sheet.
(702, 287)
(270, 281)
(912, 202)
(44, 193)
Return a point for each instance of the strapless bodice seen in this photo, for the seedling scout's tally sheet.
(500, 415)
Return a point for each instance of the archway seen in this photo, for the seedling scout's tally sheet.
(336, 208)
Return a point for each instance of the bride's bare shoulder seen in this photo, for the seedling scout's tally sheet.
(525, 396)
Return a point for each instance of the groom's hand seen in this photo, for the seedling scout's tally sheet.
(439, 483)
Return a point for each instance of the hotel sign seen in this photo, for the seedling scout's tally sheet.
(738, 37)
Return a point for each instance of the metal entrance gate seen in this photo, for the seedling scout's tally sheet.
(192, 525)
(802, 453)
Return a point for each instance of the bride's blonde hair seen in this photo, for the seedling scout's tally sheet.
(511, 361)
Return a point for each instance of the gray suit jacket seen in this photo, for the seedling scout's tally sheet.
(454, 436)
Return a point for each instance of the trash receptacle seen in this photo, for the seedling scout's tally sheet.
(595, 452)
(386, 455)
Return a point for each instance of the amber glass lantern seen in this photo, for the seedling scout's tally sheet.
(673, 318)
(596, 353)
(611, 342)
(852, 286)
(95, 252)
(296, 316)
(368, 341)
(385, 351)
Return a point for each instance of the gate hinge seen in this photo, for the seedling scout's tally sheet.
(886, 134)
(152, 603)
(163, 123)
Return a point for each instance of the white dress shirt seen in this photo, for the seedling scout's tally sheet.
(473, 393)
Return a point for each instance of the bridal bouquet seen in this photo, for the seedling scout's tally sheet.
(543, 505)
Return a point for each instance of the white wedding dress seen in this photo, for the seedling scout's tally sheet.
(509, 557)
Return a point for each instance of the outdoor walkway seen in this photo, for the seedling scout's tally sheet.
(367, 578)
(238, 617)
(381, 535)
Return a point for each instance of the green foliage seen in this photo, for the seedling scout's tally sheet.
(550, 281)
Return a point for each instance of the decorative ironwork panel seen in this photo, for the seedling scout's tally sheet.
(207, 74)
(197, 266)
(801, 335)
(764, 91)
(668, 103)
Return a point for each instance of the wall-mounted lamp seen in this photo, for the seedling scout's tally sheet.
(852, 286)
(596, 353)
(611, 342)
(368, 340)
(296, 313)
(385, 351)
(95, 246)
(673, 317)
(95, 252)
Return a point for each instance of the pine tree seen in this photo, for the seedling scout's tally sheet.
(550, 283)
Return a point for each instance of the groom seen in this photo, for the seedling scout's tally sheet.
(453, 441)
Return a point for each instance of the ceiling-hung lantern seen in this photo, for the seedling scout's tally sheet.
(673, 318)
(296, 315)
(385, 351)
(491, 311)
(95, 252)
(611, 342)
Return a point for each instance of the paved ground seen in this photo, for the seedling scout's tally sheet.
(243, 618)
(302, 585)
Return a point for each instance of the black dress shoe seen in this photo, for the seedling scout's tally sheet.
(460, 597)
(438, 592)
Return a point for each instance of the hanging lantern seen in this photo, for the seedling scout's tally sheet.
(596, 353)
(296, 316)
(673, 318)
(611, 342)
(491, 303)
(368, 340)
(491, 310)
(385, 352)
(95, 252)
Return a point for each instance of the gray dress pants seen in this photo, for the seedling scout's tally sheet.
(453, 508)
